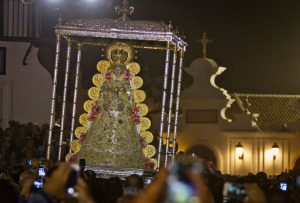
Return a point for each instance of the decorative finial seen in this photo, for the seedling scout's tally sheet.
(125, 9)
(170, 26)
(204, 41)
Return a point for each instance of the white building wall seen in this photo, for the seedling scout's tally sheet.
(31, 85)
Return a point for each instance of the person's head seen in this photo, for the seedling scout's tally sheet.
(134, 181)
(5, 143)
(45, 126)
(30, 144)
(262, 176)
(8, 132)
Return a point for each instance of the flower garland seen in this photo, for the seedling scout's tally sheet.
(94, 112)
(72, 158)
(148, 163)
(108, 76)
(127, 77)
(135, 115)
(143, 142)
(81, 138)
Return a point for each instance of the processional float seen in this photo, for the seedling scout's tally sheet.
(138, 34)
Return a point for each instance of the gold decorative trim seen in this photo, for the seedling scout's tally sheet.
(144, 124)
(134, 68)
(136, 82)
(139, 96)
(98, 79)
(147, 135)
(103, 66)
(143, 108)
(149, 151)
(94, 93)
(88, 105)
(75, 146)
(79, 130)
(84, 119)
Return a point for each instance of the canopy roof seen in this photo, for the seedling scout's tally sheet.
(141, 33)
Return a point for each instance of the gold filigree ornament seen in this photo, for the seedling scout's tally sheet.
(119, 52)
(147, 135)
(144, 124)
(79, 130)
(68, 156)
(149, 151)
(94, 93)
(136, 82)
(88, 105)
(134, 68)
(143, 108)
(75, 146)
(103, 66)
(84, 119)
(98, 79)
(139, 96)
(155, 163)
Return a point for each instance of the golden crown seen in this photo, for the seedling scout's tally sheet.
(119, 52)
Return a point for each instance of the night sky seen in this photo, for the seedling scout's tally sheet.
(258, 41)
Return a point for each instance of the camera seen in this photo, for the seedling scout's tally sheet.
(234, 190)
(72, 180)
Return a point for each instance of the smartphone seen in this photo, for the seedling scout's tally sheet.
(234, 190)
(179, 186)
(148, 180)
(283, 186)
(29, 162)
(42, 171)
(38, 183)
(72, 180)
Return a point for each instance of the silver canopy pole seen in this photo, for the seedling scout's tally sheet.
(181, 54)
(171, 105)
(79, 46)
(69, 42)
(52, 114)
(163, 104)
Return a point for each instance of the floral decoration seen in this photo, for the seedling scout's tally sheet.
(127, 77)
(81, 138)
(73, 158)
(148, 163)
(143, 142)
(135, 115)
(94, 112)
(108, 76)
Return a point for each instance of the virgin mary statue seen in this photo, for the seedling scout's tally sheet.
(113, 137)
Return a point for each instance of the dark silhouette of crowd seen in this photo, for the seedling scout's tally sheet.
(200, 181)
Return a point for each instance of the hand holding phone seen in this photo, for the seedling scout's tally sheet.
(72, 180)
(234, 190)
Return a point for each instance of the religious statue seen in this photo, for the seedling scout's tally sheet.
(113, 134)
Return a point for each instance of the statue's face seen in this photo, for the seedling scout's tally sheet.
(118, 71)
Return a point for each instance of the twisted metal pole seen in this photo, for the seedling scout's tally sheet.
(52, 114)
(69, 42)
(79, 46)
(171, 104)
(163, 104)
(181, 55)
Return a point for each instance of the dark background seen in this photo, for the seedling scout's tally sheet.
(258, 41)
